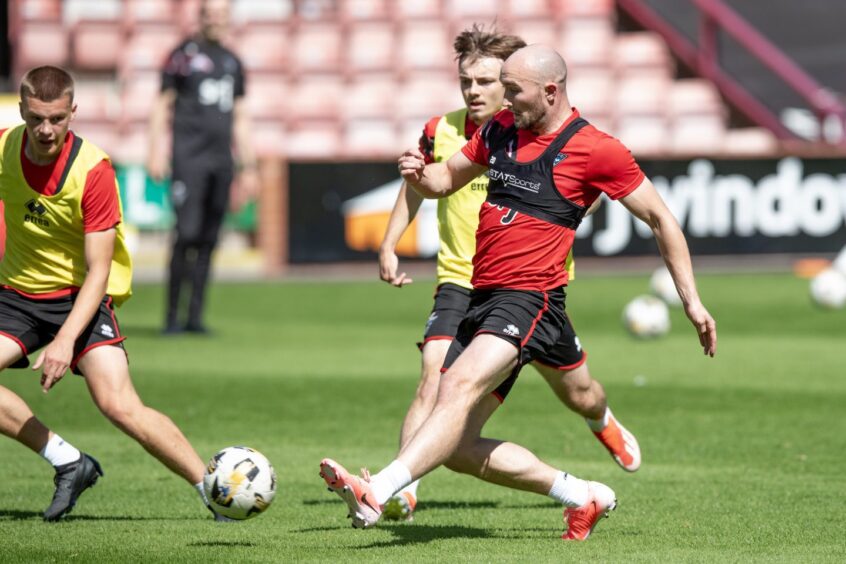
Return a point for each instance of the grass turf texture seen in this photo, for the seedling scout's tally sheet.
(743, 454)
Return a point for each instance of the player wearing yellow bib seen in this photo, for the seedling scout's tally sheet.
(480, 55)
(66, 266)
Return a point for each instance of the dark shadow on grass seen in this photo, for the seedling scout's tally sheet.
(424, 505)
(18, 515)
(225, 544)
(407, 534)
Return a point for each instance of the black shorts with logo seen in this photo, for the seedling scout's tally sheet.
(451, 304)
(534, 321)
(33, 324)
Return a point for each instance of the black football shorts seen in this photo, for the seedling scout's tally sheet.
(34, 323)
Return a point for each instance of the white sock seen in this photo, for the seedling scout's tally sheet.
(199, 487)
(569, 490)
(597, 425)
(411, 488)
(840, 261)
(391, 479)
(58, 452)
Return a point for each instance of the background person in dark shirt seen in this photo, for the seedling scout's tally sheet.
(203, 90)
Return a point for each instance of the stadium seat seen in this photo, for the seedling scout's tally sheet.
(643, 135)
(138, 93)
(642, 52)
(697, 134)
(261, 11)
(370, 137)
(263, 48)
(313, 10)
(425, 45)
(106, 10)
(370, 46)
(148, 47)
(544, 31)
(642, 95)
(313, 139)
(428, 94)
(410, 129)
(366, 10)
(591, 91)
(531, 9)
(750, 142)
(479, 9)
(694, 96)
(133, 144)
(266, 96)
(36, 10)
(371, 95)
(40, 43)
(413, 10)
(583, 8)
(316, 96)
(104, 134)
(588, 46)
(148, 11)
(98, 100)
(317, 47)
(269, 138)
(95, 45)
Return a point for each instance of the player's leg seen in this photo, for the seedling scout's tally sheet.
(187, 193)
(565, 369)
(450, 307)
(106, 373)
(75, 471)
(480, 368)
(214, 205)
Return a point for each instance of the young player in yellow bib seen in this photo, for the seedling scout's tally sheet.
(66, 267)
(480, 55)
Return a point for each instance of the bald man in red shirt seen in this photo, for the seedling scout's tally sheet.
(547, 165)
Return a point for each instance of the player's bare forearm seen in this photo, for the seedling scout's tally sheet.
(405, 209)
(437, 180)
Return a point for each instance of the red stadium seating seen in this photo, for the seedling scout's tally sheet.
(584, 8)
(261, 11)
(95, 45)
(750, 142)
(138, 94)
(587, 45)
(642, 52)
(266, 96)
(104, 10)
(98, 100)
(37, 10)
(148, 11)
(481, 9)
(41, 43)
(366, 10)
(424, 95)
(546, 31)
(534, 9)
(371, 95)
(414, 10)
(148, 47)
(370, 137)
(317, 47)
(371, 46)
(316, 96)
(591, 91)
(425, 45)
(264, 48)
(313, 139)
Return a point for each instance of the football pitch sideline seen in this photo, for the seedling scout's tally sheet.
(743, 454)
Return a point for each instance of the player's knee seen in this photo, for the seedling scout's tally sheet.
(462, 461)
(121, 413)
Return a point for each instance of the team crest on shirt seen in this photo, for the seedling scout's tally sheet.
(558, 158)
(201, 63)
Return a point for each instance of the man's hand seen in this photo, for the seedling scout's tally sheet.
(388, 263)
(245, 189)
(157, 166)
(54, 361)
(705, 326)
(411, 164)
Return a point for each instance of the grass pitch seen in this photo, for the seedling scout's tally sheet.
(743, 453)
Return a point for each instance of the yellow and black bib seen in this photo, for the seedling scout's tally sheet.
(45, 235)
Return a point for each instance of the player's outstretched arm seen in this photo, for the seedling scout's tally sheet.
(405, 209)
(646, 204)
(56, 357)
(437, 180)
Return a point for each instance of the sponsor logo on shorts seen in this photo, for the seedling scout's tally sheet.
(511, 330)
(107, 331)
(578, 344)
(431, 320)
